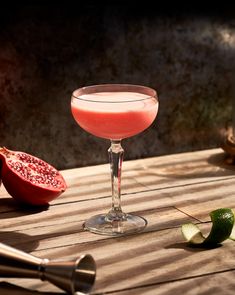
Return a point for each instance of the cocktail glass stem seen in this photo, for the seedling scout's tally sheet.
(116, 153)
(115, 222)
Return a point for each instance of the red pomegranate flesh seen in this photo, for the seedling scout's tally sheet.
(29, 179)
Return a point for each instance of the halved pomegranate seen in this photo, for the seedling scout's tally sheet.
(29, 179)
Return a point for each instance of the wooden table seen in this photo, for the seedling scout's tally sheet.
(168, 191)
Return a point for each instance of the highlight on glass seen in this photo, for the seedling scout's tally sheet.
(115, 112)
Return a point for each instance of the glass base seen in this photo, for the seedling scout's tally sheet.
(106, 224)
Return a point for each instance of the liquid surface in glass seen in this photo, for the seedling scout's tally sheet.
(114, 115)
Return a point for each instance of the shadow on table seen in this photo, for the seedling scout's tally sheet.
(8, 203)
(221, 160)
(191, 248)
(189, 169)
(18, 240)
(9, 208)
(8, 288)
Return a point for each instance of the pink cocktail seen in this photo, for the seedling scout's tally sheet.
(114, 115)
(115, 112)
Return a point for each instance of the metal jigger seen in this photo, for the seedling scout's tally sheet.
(71, 276)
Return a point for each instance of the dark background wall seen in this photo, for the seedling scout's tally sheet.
(48, 50)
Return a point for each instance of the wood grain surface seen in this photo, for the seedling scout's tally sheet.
(168, 191)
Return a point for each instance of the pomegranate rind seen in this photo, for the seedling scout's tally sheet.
(24, 191)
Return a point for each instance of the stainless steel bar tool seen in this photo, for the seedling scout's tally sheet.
(72, 276)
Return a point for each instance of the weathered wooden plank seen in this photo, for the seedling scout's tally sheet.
(196, 200)
(145, 174)
(143, 259)
(216, 284)
(79, 188)
(168, 191)
(65, 234)
(152, 173)
(7, 288)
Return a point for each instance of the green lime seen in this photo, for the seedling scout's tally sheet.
(222, 227)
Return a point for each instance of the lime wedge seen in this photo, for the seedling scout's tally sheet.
(222, 229)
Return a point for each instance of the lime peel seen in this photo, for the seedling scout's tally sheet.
(222, 229)
(192, 233)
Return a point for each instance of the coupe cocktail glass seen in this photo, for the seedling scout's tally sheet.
(115, 112)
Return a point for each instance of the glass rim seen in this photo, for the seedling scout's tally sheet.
(117, 85)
